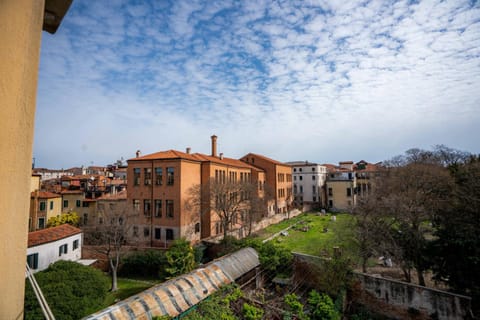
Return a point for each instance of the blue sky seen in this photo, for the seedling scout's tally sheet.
(322, 81)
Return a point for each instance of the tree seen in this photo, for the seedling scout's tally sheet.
(111, 233)
(456, 248)
(72, 291)
(232, 202)
(70, 218)
(322, 307)
(180, 258)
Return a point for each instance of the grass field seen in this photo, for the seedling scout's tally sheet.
(126, 288)
(314, 234)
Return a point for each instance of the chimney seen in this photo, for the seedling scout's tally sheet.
(221, 156)
(214, 145)
(188, 150)
(138, 153)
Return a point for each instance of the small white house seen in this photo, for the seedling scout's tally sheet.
(49, 245)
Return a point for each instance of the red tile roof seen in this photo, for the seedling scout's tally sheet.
(169, 154)
(224, 160)
(121, 195)
(51, 234)
(266, 159)
(45, 195)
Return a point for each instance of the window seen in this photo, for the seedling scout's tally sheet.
(300, 169)
(314, 199)
(295, 178)
(51, 205)
(85, 218)
(169, 208)
(135, 231)
(330, 191)
(197, 227)
(65, 203)
(136, 176)
(158, 176)
(158, 208)
(169, 234)
(294, 169)
(32, 260)
(314, 189)
(147, 176)
(157, 233)
(136, 205)
(147, 207)
(313, 177)
(78, 203)
(294, 189)
(75, 245)
(313, 169)
(146, 232)
(300, 177)
(85, 204)
(43, 205)
(170, 172)
(301, 189)
(349, 192)
(63, 249)
(41, 223)
(330, 203)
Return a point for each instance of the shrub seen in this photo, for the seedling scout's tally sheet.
(72, 291)
(251, 312)
(322, 307)
(144, 264)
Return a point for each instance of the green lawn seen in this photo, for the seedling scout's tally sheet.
(314, 234)
(127, 288)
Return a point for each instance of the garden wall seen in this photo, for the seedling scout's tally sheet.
(408, 301)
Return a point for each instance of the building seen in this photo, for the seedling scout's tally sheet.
(347, 181)
(43, 206)
(21, 23)
(278, 179)
(49, 245)
(308, 185)
(160, 185)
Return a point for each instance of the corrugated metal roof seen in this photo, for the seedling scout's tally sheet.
(181, 293)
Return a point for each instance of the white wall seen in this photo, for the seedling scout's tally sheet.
(48, 252)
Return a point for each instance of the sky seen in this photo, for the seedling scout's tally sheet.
(323, 81)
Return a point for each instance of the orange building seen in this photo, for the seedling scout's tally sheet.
(278, 178)
(160, 186)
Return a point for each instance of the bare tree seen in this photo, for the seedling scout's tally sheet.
(232, 202)
(109, 235)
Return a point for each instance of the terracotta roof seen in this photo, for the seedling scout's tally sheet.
(46, 195)
(266, 159)
(72, 192)
(51, 234)
(224, 161)
(121, 195)
(169, 154)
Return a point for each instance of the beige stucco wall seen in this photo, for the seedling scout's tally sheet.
(20, 30)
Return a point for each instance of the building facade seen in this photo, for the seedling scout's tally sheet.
(49, 245)
(308, 185)
(43, 206)
(278, 179)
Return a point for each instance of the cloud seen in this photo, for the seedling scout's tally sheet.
(307, 79)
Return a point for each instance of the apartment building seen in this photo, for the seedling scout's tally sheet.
(347, 181)
(158, 185)
(161, 184)
(308, 185)
(43, 206)
(278, 178)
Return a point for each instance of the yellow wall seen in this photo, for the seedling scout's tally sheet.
(20, 29)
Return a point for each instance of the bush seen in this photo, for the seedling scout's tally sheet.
(180, 258)
(251, 312)
(322, 307)
(143, 264)
(72, 291)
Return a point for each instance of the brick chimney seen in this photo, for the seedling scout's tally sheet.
(214, 145)
(138, 153)
(188, 150)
